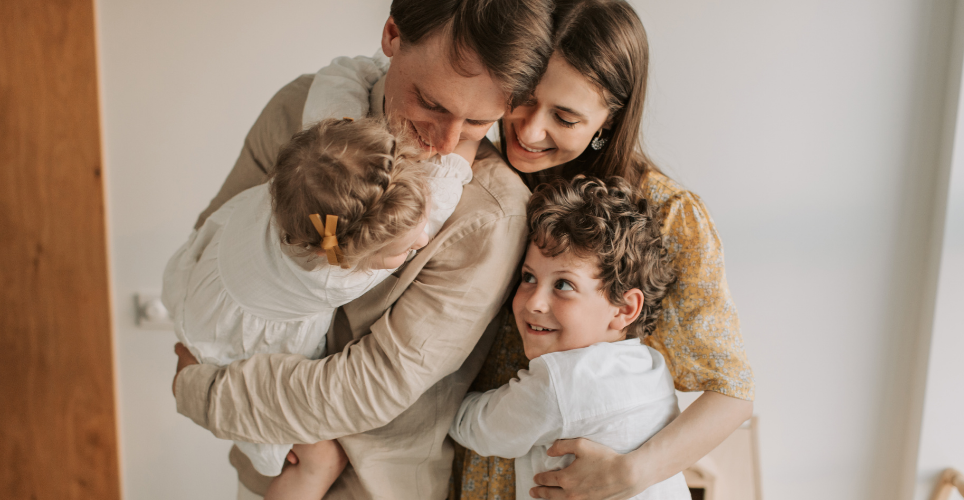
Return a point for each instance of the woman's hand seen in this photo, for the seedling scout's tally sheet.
(184, 359)
(598, 473)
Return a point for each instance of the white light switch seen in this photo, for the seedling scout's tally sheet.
(151, 313)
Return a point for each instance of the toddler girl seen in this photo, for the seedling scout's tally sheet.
(345, 205)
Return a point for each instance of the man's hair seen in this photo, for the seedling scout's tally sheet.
(611, 223)
(511, 38)
(357, 171)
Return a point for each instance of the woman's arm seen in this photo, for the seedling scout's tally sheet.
(600, 473)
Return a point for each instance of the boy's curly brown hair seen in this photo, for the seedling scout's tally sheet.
(612, 223)
(356, 170)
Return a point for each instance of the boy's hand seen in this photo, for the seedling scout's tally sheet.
(184, 359)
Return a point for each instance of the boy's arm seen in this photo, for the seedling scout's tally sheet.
(507, 422)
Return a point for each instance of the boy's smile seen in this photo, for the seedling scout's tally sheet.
(559, 305)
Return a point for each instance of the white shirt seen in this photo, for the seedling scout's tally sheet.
(234, 292)
(617, 394)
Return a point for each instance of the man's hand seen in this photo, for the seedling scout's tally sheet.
(598, 472)
(184, 359)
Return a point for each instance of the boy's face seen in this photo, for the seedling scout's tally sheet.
(559, 305)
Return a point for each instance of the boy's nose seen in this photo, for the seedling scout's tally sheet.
(537, 303)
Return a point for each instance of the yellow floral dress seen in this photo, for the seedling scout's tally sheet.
(698, 333)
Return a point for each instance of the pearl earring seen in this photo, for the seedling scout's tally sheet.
(598, 142)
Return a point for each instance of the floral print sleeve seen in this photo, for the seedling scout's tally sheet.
(698, 331)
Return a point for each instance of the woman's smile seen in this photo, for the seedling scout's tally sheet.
(555, 126)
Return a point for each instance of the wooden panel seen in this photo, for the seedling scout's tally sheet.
(57, 422)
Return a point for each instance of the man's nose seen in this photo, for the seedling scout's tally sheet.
(448, 136)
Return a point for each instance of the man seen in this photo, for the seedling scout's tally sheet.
(405, 353)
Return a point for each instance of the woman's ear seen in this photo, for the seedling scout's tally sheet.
(627, 313)
(391, 37)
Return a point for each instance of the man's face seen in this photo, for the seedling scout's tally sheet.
(427, 97)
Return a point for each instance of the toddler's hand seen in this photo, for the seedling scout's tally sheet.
(184, 359)
(467, 149)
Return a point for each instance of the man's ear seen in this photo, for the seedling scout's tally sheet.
(391, 37)
(629, 311)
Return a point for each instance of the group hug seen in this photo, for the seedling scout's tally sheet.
(450, 270)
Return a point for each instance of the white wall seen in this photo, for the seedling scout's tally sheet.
(942, 433)
(809, 128)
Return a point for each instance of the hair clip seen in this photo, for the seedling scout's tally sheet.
(329, 242)
(348, 118)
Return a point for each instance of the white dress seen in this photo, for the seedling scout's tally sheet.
(617, 394)
(234, 292)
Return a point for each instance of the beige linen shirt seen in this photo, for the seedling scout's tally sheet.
(404, 353)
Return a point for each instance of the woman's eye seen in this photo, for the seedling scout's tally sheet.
(528, 278)
(563, 285)
(565, 123)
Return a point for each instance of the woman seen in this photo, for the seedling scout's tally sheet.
(584, 117)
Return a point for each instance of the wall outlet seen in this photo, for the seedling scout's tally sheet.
(150, 312)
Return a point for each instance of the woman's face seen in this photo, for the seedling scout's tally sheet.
(566, 111)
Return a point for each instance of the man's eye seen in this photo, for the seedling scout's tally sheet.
(528, 278)
(563, 285)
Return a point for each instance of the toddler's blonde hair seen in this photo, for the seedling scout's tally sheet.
(356, 170)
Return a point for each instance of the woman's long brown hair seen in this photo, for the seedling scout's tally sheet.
(605, 40)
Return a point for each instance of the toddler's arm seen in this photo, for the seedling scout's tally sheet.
(508, 421)
(342, 88)
(467, 150)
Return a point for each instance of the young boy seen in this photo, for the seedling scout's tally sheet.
(592, 282)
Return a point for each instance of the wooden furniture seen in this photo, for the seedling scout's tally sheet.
(732, 470)
(950, 479)
(58, 438)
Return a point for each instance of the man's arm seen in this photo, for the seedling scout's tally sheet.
(425, 335)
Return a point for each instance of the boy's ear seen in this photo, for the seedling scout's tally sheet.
(629, 311)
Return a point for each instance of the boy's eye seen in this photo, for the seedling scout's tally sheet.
(528, 278)
(564, 285)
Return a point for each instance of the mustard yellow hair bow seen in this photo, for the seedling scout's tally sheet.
(329, 242)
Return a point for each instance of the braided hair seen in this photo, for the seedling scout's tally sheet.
(355, 170)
